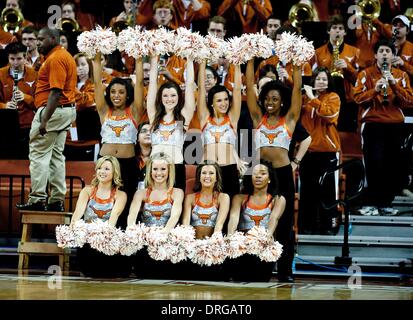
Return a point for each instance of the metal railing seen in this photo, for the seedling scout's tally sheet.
(18, 182)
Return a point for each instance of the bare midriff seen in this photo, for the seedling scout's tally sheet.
(118, 150)
(221, 153)
(278, 157)
(202, 232)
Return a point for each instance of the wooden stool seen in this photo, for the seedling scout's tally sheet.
(27, 247)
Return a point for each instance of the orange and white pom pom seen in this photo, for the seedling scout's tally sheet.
(65, 237)
(209, 251)
(157, 241)
(241, 49)
(72, 236)
(294, 48)
(236, 245)
(256, 240)
(190, 45)
(271, 252)
(103, 40)
(133, 42)
(160, 41)
(181, 240)
(104, 238)
(133, 239)
(216, 48)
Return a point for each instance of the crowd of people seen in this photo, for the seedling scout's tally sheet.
(149, 107)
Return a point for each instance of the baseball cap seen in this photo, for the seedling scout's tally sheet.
(403, 19)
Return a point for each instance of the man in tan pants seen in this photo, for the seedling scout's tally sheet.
(55, 103)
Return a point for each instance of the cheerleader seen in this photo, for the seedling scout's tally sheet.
(161, 206)
(274, 116)
(169, 116)
(218, 118)
(206, 209)
(261, 206)
(102, 200)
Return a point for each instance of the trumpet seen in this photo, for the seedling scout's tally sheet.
(384, 69)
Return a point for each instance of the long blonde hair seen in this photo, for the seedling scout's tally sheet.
(117, 179)
(171, 169)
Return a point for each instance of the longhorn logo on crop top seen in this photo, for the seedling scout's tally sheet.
(257, 219)
(166, 133)
(271, 136)
(118, 130)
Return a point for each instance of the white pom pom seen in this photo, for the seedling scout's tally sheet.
(209, 251)
(190, 45)
(103, 40)
(271, 252)
(241, 49)
(294, 48)
(133, 42)
(181, 240)
(236, 245)
(133, 239)
(216, 46)
(104, 237)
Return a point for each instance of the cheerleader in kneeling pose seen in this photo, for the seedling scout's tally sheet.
(206, 210)
(162, 207)
(261, 206)
(102, 200)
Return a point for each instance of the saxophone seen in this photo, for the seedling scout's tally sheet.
(336, 55)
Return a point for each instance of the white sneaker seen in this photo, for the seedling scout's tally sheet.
(369, 211)
(388, 211)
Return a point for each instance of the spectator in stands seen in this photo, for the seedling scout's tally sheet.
(69, 16)
(126, 16)
(273, 24)
(182, 12)
(261, 205)
(68, 41)
(251, 14)
(343, 69)
(319, 117)
(275, 115)
(103, 200)
(29, 38)
(382, 91)
(170, 115)
(55, 100)
(206, 209)
(404, 49)
(367, 36)
(218, 117)
(85, 90)
(216, 27)
(161, 206)
(120, 111)
(143, 151)
(17, 83)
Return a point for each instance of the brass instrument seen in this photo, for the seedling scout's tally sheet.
(299, 13)
(409, 14)
(335, 72)
(384, 68)
(68, 25)
(118, 26)
(370, 10)
(11, 20)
